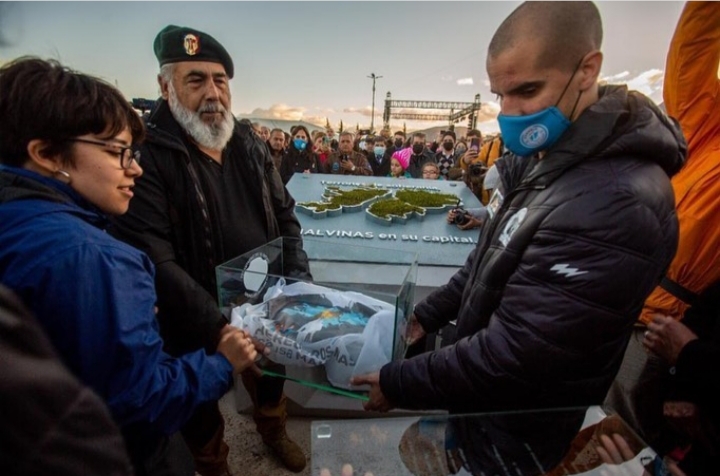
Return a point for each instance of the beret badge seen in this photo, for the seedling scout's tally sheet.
(191, 43)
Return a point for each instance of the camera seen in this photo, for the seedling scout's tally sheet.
(461, 216)
(476, 170)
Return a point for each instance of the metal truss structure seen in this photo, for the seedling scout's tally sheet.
(458, 111)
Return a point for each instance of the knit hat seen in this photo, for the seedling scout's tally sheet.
(175, 44)
(403, 157)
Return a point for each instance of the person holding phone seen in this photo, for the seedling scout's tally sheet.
(474, 136)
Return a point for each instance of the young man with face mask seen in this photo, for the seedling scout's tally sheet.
(446, 157)
(580, 229)
(398, 142)
(377, 156)
(420, 155)
(210, 192)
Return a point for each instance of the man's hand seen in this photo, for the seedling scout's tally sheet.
(414, 331)
(238, 348)
(347, 165)
(470, 156)
(471, 223)
(451, 216)
(614, 450)
(377, 402)
(666, 337)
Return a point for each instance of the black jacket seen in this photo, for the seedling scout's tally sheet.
(416, 162)
(169, 219)
(295, 161)
(546, 302)
(51, 423)
(381, 169)
(694, 378)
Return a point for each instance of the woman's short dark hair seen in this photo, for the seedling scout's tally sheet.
(44, 100)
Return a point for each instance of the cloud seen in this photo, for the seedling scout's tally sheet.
(288, 113)
(649, 83)
(278, 111)
(465, 82)
(488, 111)
(365, 111)
(446, 77)
(616, 77)
(317, 120)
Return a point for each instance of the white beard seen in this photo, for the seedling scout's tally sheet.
(213, 136)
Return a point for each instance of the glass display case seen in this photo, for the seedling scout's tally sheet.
(327, 311)
(577, 441)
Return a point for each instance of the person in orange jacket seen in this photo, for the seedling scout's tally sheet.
(692, 97)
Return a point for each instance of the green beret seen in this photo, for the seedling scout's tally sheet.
(175, 44)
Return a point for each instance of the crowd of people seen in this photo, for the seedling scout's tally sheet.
(595, 278)
(301, 151)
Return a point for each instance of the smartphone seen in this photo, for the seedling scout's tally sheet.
(475, 144)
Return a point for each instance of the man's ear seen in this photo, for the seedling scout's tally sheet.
(164, 92)
(39, 158)
(590, 70)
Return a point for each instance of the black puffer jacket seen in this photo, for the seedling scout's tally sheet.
(546, 302)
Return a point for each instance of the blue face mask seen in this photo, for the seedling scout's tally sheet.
(300, 144)
(528, 135)
(379, 151)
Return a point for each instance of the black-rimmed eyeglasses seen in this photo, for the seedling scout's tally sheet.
(127, 155)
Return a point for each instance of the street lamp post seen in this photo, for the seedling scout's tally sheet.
(372, 113)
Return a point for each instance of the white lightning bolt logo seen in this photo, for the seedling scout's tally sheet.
(564, 269)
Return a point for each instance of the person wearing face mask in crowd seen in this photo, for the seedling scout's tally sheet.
(346, 161)
(300, 157)
(377, 156)
(580, 230)
(446, 157)
(398, 142)
(421, 155)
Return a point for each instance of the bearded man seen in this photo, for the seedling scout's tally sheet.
(210, 192)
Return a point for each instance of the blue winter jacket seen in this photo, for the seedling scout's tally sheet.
(94, 296)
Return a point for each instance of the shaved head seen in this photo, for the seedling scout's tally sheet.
(567, 31)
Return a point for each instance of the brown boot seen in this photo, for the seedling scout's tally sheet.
(211, 457)
(270, 414)
(287, 450)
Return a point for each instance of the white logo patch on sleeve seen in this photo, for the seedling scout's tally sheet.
(567, 270)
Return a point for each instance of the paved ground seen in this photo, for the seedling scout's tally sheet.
(248, 455)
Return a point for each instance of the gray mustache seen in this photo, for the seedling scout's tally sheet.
(212, 107)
